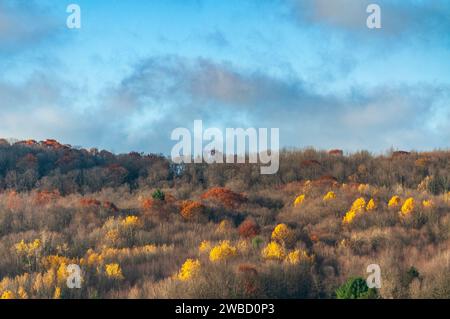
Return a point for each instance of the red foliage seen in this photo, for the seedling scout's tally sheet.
(90, 202)
(110, 206)
(314, 238)
(46, 197)
(249, 229)
(225, 196)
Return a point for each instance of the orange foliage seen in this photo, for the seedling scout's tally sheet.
(191, 209)
(27, 142)
(248, 229)
(147, 203)
(336, 152)
(46, 197)
(51, 143)
(225, 196)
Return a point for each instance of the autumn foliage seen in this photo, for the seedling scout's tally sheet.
(224, 196)
(249, 229)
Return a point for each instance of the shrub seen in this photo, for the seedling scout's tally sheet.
(225, 196)
(192, 210)
(205, 246)
(357, 208)
(256, 242)
(329, 196)
(356, 288)
(427, 203)
(223, 251)
(371, 205)
(113, 271)
(273, 250)
(283, 234)
(190, 269)
(248, 229)
(294, 257)
(158, 195)
(299, 200)
(395, 201)
(408, 207)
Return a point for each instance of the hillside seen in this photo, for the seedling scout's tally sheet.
(139, 226)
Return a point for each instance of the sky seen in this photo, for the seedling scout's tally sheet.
(136, 70)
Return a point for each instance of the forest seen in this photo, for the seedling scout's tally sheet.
(140, 226)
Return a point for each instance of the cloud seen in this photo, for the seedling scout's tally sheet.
(166, 92)
(24, 24)
(217, 38)
(418, 20)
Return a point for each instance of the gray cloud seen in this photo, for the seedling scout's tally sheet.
(24, 24)
(167, 92)
(401, 20)
(177, 91)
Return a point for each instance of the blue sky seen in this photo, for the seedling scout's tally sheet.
(136, 70)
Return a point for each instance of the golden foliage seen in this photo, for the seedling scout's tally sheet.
(273, 250)
(28, 248)
(299, 200)
(204, 247)
(131, 222)
(427, 203)
(359, 205)
(8, 294)
(283, 234)
(356, 209)
(395, 201)
(371, 205)
(329, 196)
(295, 256)
(57, 294)
(113, 271)
(223, 251)
(224, 227)
(189, 270)
(408, 207)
